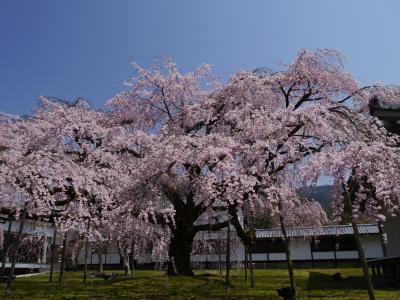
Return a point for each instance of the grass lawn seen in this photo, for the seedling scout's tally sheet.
(312, 284)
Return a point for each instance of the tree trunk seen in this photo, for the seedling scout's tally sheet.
(251, 268)
(180, 250)
(124, 260)
(62, 266)
(52, 254)
(288, 258)
(6, 245)
(228, 259)
(17, 243)
(361, 254)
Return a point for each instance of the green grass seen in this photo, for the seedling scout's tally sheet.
(312, 284)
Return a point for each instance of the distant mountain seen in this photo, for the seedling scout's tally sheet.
(321, 194)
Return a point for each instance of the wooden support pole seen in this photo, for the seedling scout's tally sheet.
(86, 253)
(106, 253)
(361, 254)
(132, 257)
(246, 262)
(228, 259)
(382, 235)
(52, 253)
(62, 266)
(286, 242)
(100, 255)
(219, 257)
(251, 267)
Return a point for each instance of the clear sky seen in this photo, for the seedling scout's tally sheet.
(82, 48)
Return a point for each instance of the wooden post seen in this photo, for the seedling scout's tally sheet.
(288, 254)
(383, 239)
(246, 277)
(132, 257)
(91, 257)
(251, 267)
(100, 255)
(312, 253)
(228, 258)
(62, 266)
(219, 257)
(52, 253)
(363, 261)
(335, 249)
(6, 245)
(378, 270)
(14, 254)
(86, 253)
(86, 256)
(106, 253)
(361, 254)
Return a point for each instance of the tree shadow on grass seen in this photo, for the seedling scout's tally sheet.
(322, 281)
(201, 286)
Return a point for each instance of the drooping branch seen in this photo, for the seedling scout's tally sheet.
(211, 226)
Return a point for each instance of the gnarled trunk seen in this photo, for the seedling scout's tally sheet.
(125, 260)
(180, 249)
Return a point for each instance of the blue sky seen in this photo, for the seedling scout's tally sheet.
(82, 48)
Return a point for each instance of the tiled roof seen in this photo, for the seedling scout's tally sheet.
(375, 103)
(317, 231)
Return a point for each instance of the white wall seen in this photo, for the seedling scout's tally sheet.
(347, 254)
(372, 246)
(323, 255)
(301, 250)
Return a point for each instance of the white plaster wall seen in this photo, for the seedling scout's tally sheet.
(260, 256)
(301, 250)
(372, 246)
(323, 255)
(347, 254)
(277, 256)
